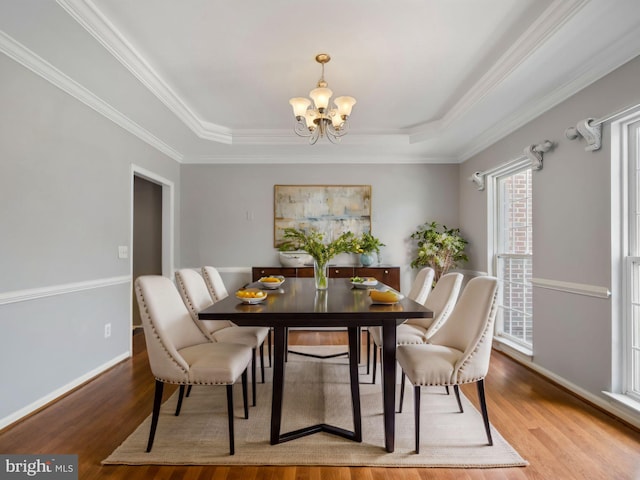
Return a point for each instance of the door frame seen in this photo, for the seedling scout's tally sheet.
(168, 233)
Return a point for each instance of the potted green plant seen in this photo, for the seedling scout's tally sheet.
(312, 242)
(366, 245)
(439, 247)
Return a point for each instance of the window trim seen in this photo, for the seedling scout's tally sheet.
(510, 168)
(623, 131)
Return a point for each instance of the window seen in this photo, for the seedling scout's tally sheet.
(512, 254)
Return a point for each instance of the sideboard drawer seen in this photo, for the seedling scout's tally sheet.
(340, 272)
(257, 272)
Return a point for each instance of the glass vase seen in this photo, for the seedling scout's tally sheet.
(320, 274)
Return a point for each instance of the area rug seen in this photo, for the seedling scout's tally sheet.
(317, 391)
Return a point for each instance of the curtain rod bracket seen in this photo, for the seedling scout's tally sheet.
(591, 133)
(535, 153)
(478, 179)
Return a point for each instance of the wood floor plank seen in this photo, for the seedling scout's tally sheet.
(561, 436)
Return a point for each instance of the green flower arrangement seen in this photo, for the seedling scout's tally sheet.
(439, 247)
(312, 242)
(367, 243)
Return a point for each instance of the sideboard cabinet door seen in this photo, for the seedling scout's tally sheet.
(387, 275)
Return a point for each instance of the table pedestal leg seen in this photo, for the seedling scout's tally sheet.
(354, 375)
(279, 349)
(389, 382)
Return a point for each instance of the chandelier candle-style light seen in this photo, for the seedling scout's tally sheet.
(321, 120)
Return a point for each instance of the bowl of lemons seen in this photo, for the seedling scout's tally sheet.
(251, 295)
(272, 281)
(385, 297)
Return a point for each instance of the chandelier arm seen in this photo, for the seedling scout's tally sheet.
(301, 129)
(314, 136)
(344, 129)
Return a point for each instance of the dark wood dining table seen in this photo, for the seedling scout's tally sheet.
(297, 303)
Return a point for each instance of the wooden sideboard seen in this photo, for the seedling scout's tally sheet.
(387, 274)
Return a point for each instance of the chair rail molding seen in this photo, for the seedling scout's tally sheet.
(62, 289)
(570, 287)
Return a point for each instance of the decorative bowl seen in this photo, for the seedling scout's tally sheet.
(251, 295)
(271, 282)
(298, 258)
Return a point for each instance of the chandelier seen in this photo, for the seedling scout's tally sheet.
(322, 120)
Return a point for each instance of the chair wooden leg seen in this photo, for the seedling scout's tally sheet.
(269, 346)
(483, 407)
(180, 397)
(253, 377)
(232, 449)
(402, 382)
(245, 400)
(375, 363)
(262, 361)
(416, 408)
(456, 390)
(447, 388)
(157, 401)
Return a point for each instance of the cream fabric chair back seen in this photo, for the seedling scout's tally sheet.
(469, 329)
(421, 286)
(196, 297)
(167, 327)
(442, 300)
(214, 282)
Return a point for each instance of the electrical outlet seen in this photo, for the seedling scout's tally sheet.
(123, 251)
(107, 330)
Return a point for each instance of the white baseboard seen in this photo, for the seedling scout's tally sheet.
(610, 406)
(41, 402)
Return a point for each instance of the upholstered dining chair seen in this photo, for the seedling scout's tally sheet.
(180, 353)
(441, 301)
(218, 291)
(196, 297)
(458, 353)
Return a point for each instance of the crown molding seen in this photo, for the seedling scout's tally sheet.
(91, 19)
(285, 137)
(609, 59)
(319, 159)
(556, 15)
(44, 69)
(88, 15)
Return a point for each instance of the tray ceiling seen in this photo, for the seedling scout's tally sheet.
(435, 80)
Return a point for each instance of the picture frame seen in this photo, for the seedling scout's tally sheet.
(329, 209)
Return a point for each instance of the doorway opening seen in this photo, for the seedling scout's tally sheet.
(151, 230)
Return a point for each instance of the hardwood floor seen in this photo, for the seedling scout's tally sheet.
(561, 436)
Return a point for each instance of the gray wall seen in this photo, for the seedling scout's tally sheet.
(215, 201)
(65, 207)
(573, 334)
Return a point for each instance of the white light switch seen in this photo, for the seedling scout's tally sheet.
(123, 251)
